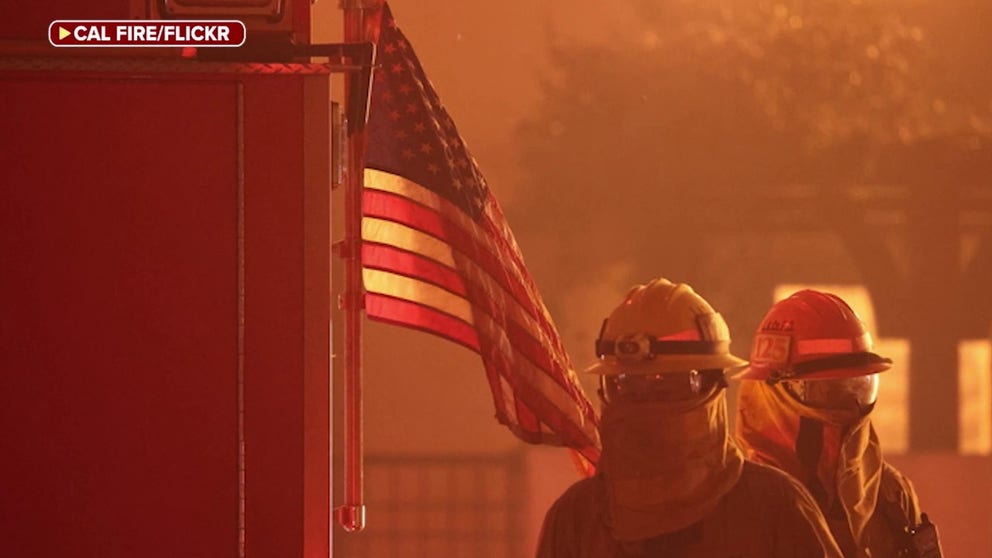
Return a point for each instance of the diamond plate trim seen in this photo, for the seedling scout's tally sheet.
(159, 66)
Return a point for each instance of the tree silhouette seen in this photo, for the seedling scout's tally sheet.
(739, 133)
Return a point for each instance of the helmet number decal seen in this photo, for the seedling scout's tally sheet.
(770, 348)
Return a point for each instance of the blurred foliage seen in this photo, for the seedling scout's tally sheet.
(829, 70)
(702, 107)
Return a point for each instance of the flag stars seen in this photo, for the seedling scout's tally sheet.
(423, 139)
(421, 143)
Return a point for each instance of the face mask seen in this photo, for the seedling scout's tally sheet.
(666, 464)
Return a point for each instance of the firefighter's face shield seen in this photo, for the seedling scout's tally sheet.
(662, 387)
(836, 393)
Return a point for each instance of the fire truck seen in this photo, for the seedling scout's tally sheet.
(165, 302)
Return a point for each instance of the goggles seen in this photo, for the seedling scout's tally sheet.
(836, 393)
(662, 387)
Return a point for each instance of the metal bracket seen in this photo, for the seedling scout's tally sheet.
(351, 57)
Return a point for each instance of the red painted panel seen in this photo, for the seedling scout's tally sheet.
(274, 386)
(287, 313)
(118, 329)
(29, 20)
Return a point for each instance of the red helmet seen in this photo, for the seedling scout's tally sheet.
(812, 335)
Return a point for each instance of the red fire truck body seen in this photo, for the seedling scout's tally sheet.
(164, 293)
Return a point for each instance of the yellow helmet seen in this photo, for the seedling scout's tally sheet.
(663, 327)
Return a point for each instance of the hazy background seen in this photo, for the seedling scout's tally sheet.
(743, 147)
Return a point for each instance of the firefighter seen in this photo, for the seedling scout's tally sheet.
(804, 406)
(672, 481)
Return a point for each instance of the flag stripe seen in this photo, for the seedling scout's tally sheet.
(506, 406)
(408, 288)
(401, 236)
(467, 241)
(379, 230)
(528, 420)
(391, 207)
(496, 227)
(502, 247)
(389, 182)
(493, 298)
(395, 283)
(533, 385)
(395, 208)
(438, 254)
(380, 256)
(410, 314)
(529, 346)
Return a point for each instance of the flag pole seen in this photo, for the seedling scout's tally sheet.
(351, 514)
(496, 262)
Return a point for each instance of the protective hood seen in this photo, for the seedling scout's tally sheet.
(844, 464)
(666, 465)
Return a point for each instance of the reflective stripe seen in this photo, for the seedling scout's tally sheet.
(709, 327)
(687, 335)
(858, 344)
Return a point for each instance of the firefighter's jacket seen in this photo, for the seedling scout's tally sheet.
(867, 503)
(765, 515)
(672, 482)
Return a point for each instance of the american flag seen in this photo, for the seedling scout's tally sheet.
(438, 256)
